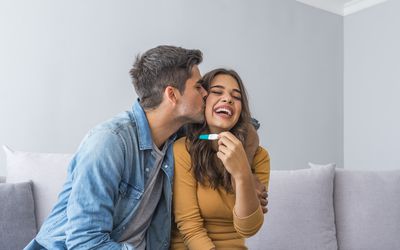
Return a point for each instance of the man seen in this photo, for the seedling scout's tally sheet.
(119, 185)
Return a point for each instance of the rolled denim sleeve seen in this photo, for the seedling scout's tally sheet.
(96, 171)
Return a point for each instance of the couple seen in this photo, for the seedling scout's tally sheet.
(118, 192)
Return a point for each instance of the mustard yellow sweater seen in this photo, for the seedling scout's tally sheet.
(205, 217)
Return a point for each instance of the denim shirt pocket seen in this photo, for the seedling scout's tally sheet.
(128, 200)
(128, 191)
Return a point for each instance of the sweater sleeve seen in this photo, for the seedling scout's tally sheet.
(248, 226)
(185, 204)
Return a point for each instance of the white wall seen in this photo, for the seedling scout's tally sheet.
(372, 88)
(64, 67)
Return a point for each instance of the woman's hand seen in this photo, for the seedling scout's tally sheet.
(233, 155)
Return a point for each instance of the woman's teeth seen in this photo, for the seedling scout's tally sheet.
(224, 110)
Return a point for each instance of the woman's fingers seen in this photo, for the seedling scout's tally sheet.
(223, 140)
(234, 147)
(222, 148)
(221, 156)
(229, 139)
(229, 136)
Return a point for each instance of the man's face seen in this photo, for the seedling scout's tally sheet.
(192, 100)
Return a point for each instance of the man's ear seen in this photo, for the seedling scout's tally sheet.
(172, 94)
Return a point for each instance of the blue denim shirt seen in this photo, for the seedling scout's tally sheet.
(104, 187)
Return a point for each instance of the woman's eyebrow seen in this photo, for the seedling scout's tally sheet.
(217, 86)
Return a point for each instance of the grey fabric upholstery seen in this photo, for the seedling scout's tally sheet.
(300, 215)
(47, 173)
(17, 218)
(367, 209)
(304, 206)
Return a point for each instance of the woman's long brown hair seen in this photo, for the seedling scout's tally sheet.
(208, 168)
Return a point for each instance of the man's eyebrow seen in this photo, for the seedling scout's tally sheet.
(202, 83)
(222, 87)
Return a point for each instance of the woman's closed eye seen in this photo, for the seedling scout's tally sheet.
(239, 98)
(216, 92)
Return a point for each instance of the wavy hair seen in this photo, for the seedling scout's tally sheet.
(208, 168)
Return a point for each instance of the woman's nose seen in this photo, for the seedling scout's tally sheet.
(228, 99)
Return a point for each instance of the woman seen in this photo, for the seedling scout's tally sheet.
(215, 203)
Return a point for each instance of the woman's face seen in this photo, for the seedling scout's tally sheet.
(223, 104)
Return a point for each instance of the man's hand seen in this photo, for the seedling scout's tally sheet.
(262, 194)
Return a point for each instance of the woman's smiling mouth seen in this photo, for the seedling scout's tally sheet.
(224, 111)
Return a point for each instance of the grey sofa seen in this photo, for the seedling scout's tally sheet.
(318, 207)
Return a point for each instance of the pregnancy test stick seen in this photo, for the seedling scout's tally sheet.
(208, 137)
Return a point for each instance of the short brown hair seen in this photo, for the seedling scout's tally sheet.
(160, 67)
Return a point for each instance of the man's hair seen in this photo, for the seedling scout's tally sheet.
(160, 67)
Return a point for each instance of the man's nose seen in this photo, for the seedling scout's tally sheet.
(204, 92)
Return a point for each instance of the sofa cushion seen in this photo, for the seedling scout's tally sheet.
(47, 171)
(300, 212)
(17, 217)
(367, 207)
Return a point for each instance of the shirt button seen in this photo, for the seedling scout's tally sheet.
(123, 228)
(147, 169)
(166, 166)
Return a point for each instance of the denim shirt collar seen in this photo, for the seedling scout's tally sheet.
(143, 127)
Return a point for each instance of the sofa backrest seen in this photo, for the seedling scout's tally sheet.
(367, 209)
(17, 218)
(300, 211)
(316, 208)
(46, 171)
